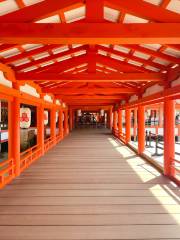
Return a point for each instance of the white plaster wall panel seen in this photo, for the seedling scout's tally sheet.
(48, 98)
(155, 2)
(174, 5)
(30, 47)
(153, 47)
(8, 6)
(29, 90)
(111, 14)
(31, 2)
(153, 89)
(4, 81)
(133, 19)
(10, 53)
(133, 98)
(75, 14)
(51, 19)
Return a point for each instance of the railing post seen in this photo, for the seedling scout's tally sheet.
(169, 136)
(128, 125)
(110, 118)
(66, 128)
(120, 122)
(141, 129)
(70, 119)
(53, 124)
(61, 123)
(40, 127)
(15, 140)
(115, 120)
(135, 125)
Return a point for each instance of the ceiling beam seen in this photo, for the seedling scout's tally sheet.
(49, 58)
(145, 10)
(91, 77)
(37, 11)
(89, 33)
(81, 97)
(89, 91)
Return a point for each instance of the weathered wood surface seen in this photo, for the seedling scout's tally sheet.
(90, 187)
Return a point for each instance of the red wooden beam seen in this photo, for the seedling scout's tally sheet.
(119, 65)
(131, 57)
(37, 11)
(62, 66)
(89, 90)
(81, 97)
(145, 10)
(90, 33)
(90, 77)
(49, 58)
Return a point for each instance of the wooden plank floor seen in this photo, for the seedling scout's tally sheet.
(90, 187)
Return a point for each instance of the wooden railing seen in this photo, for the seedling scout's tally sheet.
(6, 172)
(29, 156)
(49, 143)
(120, 135)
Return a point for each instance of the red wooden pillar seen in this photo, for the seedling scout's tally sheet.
(161, 116)
(66, 127)
(110, 118)
(53, 123)
(70, 119)
(40, 127)
(61, 123)
(169, 136)
(141, 129)
(128, 125)
(135, 124)
(120, 122)
(15, 141)
(115, 120)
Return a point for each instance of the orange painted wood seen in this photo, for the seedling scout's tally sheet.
(141, 129)
(101, 194)
(89, 33)
(169, 137)
(91, 77)
(146, 10)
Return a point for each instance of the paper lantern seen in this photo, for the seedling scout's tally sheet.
(79, 113)
(46, 113)
(25, 117)
(102, 112)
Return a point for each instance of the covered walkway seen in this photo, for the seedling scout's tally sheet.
(90, 186)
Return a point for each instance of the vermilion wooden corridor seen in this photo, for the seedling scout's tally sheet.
(90, 186)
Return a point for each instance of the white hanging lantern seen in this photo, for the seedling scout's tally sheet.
(102, 112)
(25, 117)
(57, 116)
(79, 113)
(46, 113)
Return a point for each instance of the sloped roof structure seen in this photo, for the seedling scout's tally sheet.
(91, 52)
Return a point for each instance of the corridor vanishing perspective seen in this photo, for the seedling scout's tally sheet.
(90, 186)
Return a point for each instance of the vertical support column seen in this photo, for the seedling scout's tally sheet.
(161, 116)
(120, 122)
(40, 127)
(169, 136)
(110, 118)
(61, 123)
(66, 127)
(70, 119)
(128, 125)
(115, 120)
(53, 123)
(15, 141)
(135, 125)
(141, 129)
